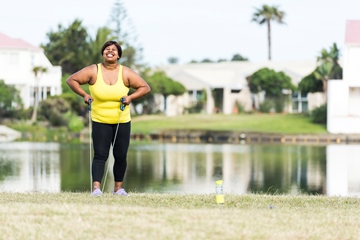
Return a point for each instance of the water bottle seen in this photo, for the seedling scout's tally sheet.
(219, 192)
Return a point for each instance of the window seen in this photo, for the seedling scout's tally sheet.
(299, 102)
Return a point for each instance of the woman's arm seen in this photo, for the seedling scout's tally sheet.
(133, 80)
(86, 75)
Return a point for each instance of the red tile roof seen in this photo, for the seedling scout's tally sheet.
(352, 33)
(8, 42)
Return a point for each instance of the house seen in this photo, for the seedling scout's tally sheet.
(343, 111)
(17, 61)
(225, 86)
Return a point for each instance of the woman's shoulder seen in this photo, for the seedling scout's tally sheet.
(126, 69)
(91, 67)
(91, 71)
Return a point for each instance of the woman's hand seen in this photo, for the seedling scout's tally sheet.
(87, 97)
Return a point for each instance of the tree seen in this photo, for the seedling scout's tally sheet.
(310, 84)
(118, 18)
(221, 60)
(125, 34)
(56, 110)
(38, 71)
(328, 66)
(332, 56)
(272, 83)
(10, 100)
(265, 15)
(129, 57)
(238, 57)
(69, 47)
(206, 60)
(165, 86)
(103, 34)
(173, 60)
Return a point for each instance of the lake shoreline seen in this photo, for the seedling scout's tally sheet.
(205, 136)
(199, 136)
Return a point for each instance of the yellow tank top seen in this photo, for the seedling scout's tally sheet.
(106, 100)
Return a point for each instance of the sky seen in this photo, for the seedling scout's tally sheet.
(193, 29)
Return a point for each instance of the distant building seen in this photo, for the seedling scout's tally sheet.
(225, 85)
(343, 109)
(17, 60)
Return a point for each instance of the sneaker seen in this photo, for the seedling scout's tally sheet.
(97, 192)
(121, 192)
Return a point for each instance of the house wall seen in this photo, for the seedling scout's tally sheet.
(16, 69)
(315, 100)
(176, 105)
(343, 115)
(210, 103)
(231, 99)
(233, 75)
(351, 72)
(342, 170)
(354, 102)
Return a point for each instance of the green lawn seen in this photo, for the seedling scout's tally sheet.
(261, 123)
(146, 124)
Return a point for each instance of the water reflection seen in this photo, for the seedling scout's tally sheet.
(29, 166)
(194, 168)
(343, 165)
(188, 168)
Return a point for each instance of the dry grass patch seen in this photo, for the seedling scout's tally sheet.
(177, 216)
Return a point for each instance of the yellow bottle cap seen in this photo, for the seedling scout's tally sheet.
(219, 182)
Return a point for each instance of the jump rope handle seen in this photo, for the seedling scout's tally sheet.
(89, 104)
(122, 105)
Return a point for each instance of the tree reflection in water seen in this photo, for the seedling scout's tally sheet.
(187, 168)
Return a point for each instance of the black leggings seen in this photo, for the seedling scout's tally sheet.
(103, 136)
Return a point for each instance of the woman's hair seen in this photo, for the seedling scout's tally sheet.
(108, 43)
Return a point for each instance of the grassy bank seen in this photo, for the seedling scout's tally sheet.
(146, 124)
(177, 216)
(261, 123)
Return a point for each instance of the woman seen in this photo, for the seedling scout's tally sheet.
(109, 84)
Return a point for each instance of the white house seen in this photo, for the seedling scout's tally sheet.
(228, 81)
(17, 60)
(343, 114)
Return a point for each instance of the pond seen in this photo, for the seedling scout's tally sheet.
(188, 168)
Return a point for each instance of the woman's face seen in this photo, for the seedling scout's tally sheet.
(111, 53)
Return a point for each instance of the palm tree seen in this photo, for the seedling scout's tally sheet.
(331, 56)
(265, 15)
(37, 70)
(328, 66)
(103, 34)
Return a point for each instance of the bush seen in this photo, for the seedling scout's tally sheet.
(54, 110)
(319, 114)
(265, 106)
(77, 103)
(76, 124)
(279, 105)
(195, 108)
(240, 107)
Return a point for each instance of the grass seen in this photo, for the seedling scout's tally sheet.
(146, 124)
(262, 123)
(176, 216)
(185, 216)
